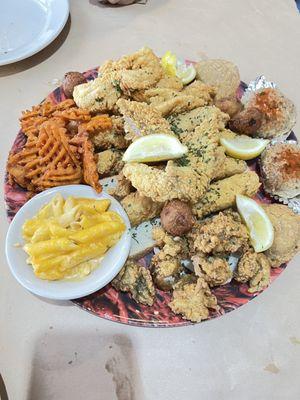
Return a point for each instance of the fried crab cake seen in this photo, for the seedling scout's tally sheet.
(280, 168)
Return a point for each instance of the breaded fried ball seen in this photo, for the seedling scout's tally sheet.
(177, 218)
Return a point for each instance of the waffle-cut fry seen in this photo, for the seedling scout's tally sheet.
(90, 173)
(74, 114)
(46, 161)
(99, 123)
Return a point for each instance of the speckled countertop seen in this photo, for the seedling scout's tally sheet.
(57, 351)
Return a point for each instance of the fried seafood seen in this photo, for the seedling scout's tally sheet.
(286, 241)
(140, 208)
(229, 105)
(221, 74)
(187, 122)
(253, 268)
(172, 183)
(123, 187)
(109, 162)
(230, 166)
(215, 270)
(177, 217)
(193, 300)
(135, 279)
(46, 161)
(279, 113)
(280, 168)
(141, 119)
(137, 71)
(223, 233)
(221, 194)
(170, 101)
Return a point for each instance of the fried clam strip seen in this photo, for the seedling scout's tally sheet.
(137, 71)
(169, 101)
(254, 269)
(137, 280)
(141, 119)
(187, 122)
(221, 194)
(193, 300)
(174, 182)
(140, 208)
(46, 161)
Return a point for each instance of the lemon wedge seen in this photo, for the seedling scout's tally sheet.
(257, 221)
(244, 147)
(169, 62)
(186, 73)
(156, 147)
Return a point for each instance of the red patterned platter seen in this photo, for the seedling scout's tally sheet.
(120, 307)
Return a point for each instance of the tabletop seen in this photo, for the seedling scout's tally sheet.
(52, 350)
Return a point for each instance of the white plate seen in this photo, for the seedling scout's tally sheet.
(109, 267)
(27, 26)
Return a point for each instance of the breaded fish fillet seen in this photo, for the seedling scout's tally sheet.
(230, 166)
(140, 208)
(141, 119)
(174, 182)
(221, 194)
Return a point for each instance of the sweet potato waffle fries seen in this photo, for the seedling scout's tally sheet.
(55, 154)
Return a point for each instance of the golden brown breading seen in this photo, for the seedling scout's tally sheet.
(137, 71)
(106, 138)
(224, 233)
(221, 74)
(187, 122)
(193, 300)
(221, 194)
(169, 101)
(230, 166)
(172, 183)
(141, 119)
(170, 246)
(140, 208)
(135, 279)
(109, 162)
(253, 268)
(215, 270)
(123, 187)
(286, 234)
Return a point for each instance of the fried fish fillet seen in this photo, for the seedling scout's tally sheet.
(141, 119)
(230, 166)
(174, 182)
(140, 208)
(221, 194)
(187, 122)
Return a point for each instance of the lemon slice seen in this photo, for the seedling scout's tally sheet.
(244, 147)
(186, 73)
(169, 62)
(156, 147)
(258, 223)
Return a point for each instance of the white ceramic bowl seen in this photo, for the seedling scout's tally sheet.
(27, 26)
(109, 267)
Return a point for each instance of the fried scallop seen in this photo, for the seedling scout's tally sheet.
(280, 168)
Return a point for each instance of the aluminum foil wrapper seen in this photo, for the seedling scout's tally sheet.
(259, 83)
(293, 203)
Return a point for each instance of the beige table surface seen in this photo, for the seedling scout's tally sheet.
(50, 351)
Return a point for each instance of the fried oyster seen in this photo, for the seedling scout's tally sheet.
(215, 270)
(193, 300)
(135, 279)
(254, 269)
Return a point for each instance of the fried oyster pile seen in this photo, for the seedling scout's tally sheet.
(83, 140)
